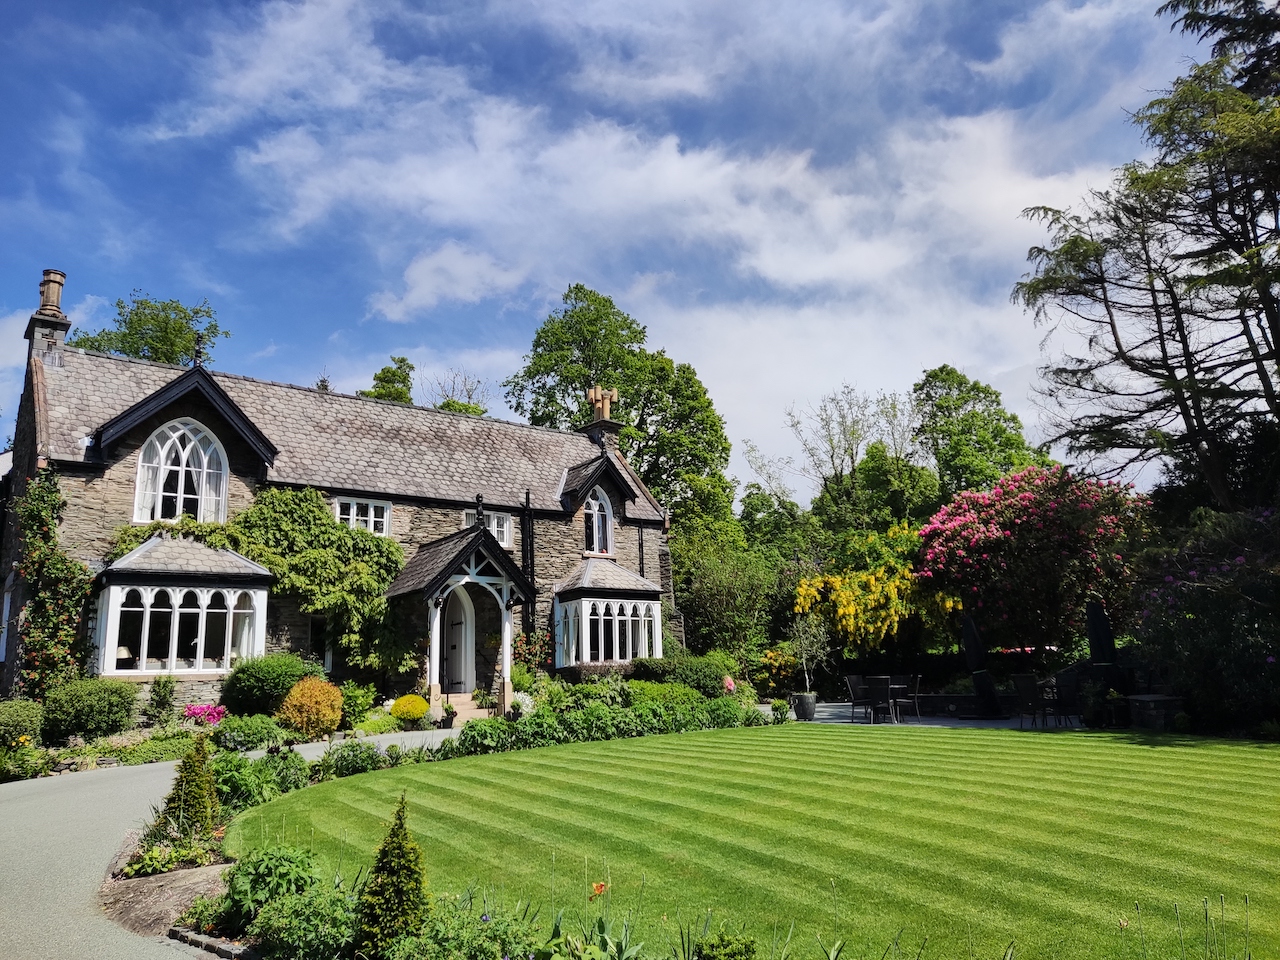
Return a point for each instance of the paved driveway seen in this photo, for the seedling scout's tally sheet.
(58, 838)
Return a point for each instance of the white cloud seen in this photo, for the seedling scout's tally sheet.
(851, 229)
(448, 273)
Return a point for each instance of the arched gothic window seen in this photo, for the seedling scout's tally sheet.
(598, 518)
(182, 470)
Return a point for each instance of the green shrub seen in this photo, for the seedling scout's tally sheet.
(241, 783)
(411, 708)
(541, 728)
(722, 661)
(646, 691)
(318, 924)
(92, 708)
(724, 946)
(723, 712)
(487, 735)
(205, 914)
(352, 757)
(158, 749)
(263, 876)
(781, 711)
(654, 669)
(156, 858)
(159, 708)
(260, 684)
(378, 722)
(357, 701)
(393, 898)
(289, 769)
(18, 719)
(248, 733)
(312, 709)
(192, 803)
(522, 678)
(468, 928)
(22, 762)
(702, 673)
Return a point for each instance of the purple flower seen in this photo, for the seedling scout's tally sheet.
(1271, 659)
(484, 918)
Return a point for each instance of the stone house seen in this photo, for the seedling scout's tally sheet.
(498, 520)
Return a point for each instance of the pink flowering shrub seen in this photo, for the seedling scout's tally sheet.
(729, 685)
(205, 714)
(1024, 556)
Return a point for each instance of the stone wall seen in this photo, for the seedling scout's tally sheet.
(185, 690)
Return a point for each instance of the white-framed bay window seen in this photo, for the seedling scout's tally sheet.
(499, 524)
(179, 629)
(595, 630)
(371, 515)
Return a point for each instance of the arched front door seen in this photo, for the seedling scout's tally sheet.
(458, 660)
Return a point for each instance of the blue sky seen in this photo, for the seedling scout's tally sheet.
(789, 196)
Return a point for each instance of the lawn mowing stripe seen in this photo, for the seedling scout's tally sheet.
(517, 823)
(906, 836)
(682, 774)
(744, 811)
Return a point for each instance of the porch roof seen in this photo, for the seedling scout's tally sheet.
(430, 568)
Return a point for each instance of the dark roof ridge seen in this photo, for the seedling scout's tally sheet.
(327, 393)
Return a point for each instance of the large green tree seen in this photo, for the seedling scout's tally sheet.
(165, 331)
(672, 434)
(963, 424)
(393, 382)
(1247, 32)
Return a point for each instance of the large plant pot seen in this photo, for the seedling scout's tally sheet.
(446, 722)
(804, 704)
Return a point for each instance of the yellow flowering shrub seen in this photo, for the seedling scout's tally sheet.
(870, 588)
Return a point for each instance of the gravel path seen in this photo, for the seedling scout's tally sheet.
(58, 838)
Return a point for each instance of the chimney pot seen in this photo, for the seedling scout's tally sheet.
(51, 292)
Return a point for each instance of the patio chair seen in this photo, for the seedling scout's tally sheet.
(858, 697)
(1031, 698)
(1068, 703)
(880, 693)
(907, 693)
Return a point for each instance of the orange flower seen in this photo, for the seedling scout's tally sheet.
(597, 890)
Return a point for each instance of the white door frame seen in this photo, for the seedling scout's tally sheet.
(460, 643)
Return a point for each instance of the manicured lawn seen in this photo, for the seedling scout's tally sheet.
(993, 835)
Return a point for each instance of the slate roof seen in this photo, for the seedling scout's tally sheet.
(599, 574)
(336, 441)
(177, 555)
(433, 564)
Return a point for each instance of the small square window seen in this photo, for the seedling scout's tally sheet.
(371, 515)
(499, 524)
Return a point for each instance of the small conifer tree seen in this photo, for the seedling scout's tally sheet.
(192, 805)
(394, 897)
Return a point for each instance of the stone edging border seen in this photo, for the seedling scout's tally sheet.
(214, 945)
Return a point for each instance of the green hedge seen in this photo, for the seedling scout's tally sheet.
(596, 721)
(20, 718)
(90, 709)
(704, 674)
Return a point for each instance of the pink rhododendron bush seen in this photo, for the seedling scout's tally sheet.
(1024, 556)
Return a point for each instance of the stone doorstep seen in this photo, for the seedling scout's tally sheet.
(215, 945)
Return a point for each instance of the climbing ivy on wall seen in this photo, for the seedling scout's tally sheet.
(329, 568)
(52, 647)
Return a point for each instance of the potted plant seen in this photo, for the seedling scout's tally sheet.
(447, 713)
(810, 645)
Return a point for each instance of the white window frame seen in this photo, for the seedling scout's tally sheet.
(597, 509)
(499, 524)
(625, 630)
(353, 506)
(203, 457)
(241, 603)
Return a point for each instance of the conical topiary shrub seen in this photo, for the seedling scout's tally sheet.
(394, 896)
(192, 805)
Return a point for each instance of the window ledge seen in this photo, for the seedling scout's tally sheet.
(595, 555)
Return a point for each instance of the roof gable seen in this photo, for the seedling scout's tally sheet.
(430, 568)
(198, 381)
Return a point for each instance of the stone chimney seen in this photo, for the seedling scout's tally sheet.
(602, 429)
(48, 326)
